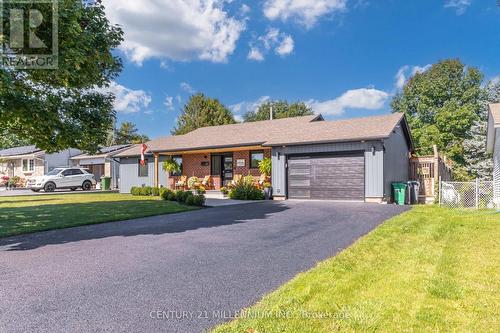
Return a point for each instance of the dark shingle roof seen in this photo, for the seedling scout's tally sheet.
(24, 150)
(103, 152)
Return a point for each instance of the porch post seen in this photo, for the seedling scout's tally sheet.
(156, 181)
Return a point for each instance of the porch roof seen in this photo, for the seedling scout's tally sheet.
(268, 133)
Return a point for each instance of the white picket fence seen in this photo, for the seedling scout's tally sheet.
(475, 195)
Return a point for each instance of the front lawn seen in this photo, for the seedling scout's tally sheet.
(428, 270)
(25, 214)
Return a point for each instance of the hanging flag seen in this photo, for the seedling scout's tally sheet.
(143, 150)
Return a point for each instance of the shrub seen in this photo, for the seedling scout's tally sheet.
(190, 200)
(193, 182)
(166, 193)
(134, 190)
(171, 195)
(224, 190)
(198, 200)
(155, 191)
(14, 181)
(181, 196)
(245, 189)
(201, 190)
(146, 190)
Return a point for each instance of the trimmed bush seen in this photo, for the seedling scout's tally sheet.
(155, 191)
(135, 190)
(199, 200)
(147, 190)
(166, 194)
(181, 196)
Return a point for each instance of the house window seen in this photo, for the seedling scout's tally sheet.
(28, 165)
(255, 158)
(215, 169)
(177, 159)
(143, 169)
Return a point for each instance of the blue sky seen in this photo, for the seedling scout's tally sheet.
(345, 58)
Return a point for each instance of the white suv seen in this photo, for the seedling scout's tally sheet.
(71, 178)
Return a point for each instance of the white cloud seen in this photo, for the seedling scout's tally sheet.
(255, 54)
(364, 98)
(169, 103)
(405, 72)
(127, 100)
(286, 46)
(460, 6)
(245, 10)
(241, 108)
(281, 42)
(187, 88)
(306, 12)
(179, 30)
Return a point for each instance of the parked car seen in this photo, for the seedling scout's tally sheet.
(71, 178)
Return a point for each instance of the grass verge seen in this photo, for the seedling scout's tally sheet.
(27, 214)
(427, 270)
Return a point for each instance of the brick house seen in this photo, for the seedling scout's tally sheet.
(351, 159)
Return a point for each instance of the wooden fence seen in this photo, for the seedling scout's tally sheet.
(428, 170)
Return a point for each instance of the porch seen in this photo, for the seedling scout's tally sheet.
(221, 166)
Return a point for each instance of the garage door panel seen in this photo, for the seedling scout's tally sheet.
(326, 177)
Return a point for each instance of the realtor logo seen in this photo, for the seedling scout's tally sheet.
(29, 34)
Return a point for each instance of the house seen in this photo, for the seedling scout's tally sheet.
(29, 161)
(103, 163)
(353, 159)
(493, 147)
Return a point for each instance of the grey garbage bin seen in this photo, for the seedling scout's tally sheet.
(413, 190)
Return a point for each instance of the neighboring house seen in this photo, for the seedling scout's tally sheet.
(493, 147)
(353, 159)
(29, 161)
(102, 163)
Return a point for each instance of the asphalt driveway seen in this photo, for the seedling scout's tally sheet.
(176, 273)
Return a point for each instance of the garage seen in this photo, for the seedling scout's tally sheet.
(327, 177)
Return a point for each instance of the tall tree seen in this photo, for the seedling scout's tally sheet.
(202, 111)
(478, 162)
(128, 133)
(281, 109)
(442, 104)
(60, 108)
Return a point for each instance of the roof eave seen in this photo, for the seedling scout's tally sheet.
(284, 144)
(249, 144)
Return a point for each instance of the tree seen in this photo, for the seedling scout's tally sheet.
(202, 111)
(127, 133)
(64, 107)
(441, 105)
(478, 162)
(8, 140)
(281, 109)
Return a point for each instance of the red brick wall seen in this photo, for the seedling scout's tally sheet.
(192, 166)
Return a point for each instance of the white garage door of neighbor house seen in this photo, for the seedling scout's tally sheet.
(327, 177)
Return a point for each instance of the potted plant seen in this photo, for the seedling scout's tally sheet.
(171, 167)
(268, 191)
(193, 183)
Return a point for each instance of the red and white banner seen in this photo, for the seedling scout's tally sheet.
(143, 151)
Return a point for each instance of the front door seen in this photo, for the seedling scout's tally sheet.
(227, 169)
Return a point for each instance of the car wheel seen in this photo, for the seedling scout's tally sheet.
(87, 186)
(49, 187)
(73, 189)
(35, 190)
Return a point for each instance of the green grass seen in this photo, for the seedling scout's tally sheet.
(428, 270)
(26, 214)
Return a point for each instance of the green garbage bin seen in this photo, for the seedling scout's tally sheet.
(105, 183)
(399, 193)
